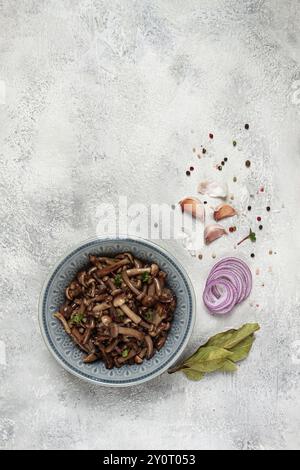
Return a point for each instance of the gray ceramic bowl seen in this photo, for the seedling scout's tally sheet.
(70, 356)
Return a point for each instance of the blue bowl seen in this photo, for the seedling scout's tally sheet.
(70, 356)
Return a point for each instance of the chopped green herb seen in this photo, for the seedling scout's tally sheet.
(251, 236)
(77, 318)
(145, 277)
(125, 352)
(149, 315)
(118, 280)
(120, 314)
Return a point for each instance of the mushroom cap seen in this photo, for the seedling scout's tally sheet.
(119, 300)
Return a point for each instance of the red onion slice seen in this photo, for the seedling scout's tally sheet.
(226, 301)
(228, 284)
(243, 269)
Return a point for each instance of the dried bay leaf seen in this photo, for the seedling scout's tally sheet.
(220, 353)
(231, 338)
(241, 351)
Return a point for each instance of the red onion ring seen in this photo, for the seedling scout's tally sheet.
(228, 284)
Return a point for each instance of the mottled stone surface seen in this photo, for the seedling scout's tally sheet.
(106, 98)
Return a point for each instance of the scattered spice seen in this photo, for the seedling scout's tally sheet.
(248, 163)
(249, 208)
(258, 219)
(200, 256)
(234, 143)
(188, 173)
(219, 168)
(211, 136)
(251, 236)
(204, 150)
(225, 159)
(192, 168)
(262, 190)
(247, 127)
(268, 209)
(252, 255)
(205, 202)
(235, 179)
(260, 227)
(223, 163)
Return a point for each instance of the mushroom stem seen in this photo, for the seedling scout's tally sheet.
(101, 307)
(137, 271)
(64, 322)
(129, 283)
(120, 302)
(90, 358)
(114, 267)
(158, 287)
(131, 332)
(149, 344)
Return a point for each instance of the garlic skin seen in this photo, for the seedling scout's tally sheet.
(213, 189)
(223, 211)
(213, 232)
(193, 206)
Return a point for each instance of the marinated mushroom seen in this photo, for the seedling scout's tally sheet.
(118, 310)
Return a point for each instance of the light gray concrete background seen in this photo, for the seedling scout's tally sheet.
(105, 98)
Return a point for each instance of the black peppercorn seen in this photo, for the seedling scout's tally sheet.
(247, 127)
(252, 255)
(249, 208)
(248, 163)
(225, 159)
(268, 209)
(188, 173)
(220, 168)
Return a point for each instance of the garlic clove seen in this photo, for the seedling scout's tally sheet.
(213, 189)
(213, 232)
(223, 211)
(193, 206)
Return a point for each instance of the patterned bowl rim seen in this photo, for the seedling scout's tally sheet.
(100, 381)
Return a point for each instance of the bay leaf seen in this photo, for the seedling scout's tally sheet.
(231, 338)
(220, 353)
(241, 350)
(192, 374)
(228, 366)
(207, 359)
